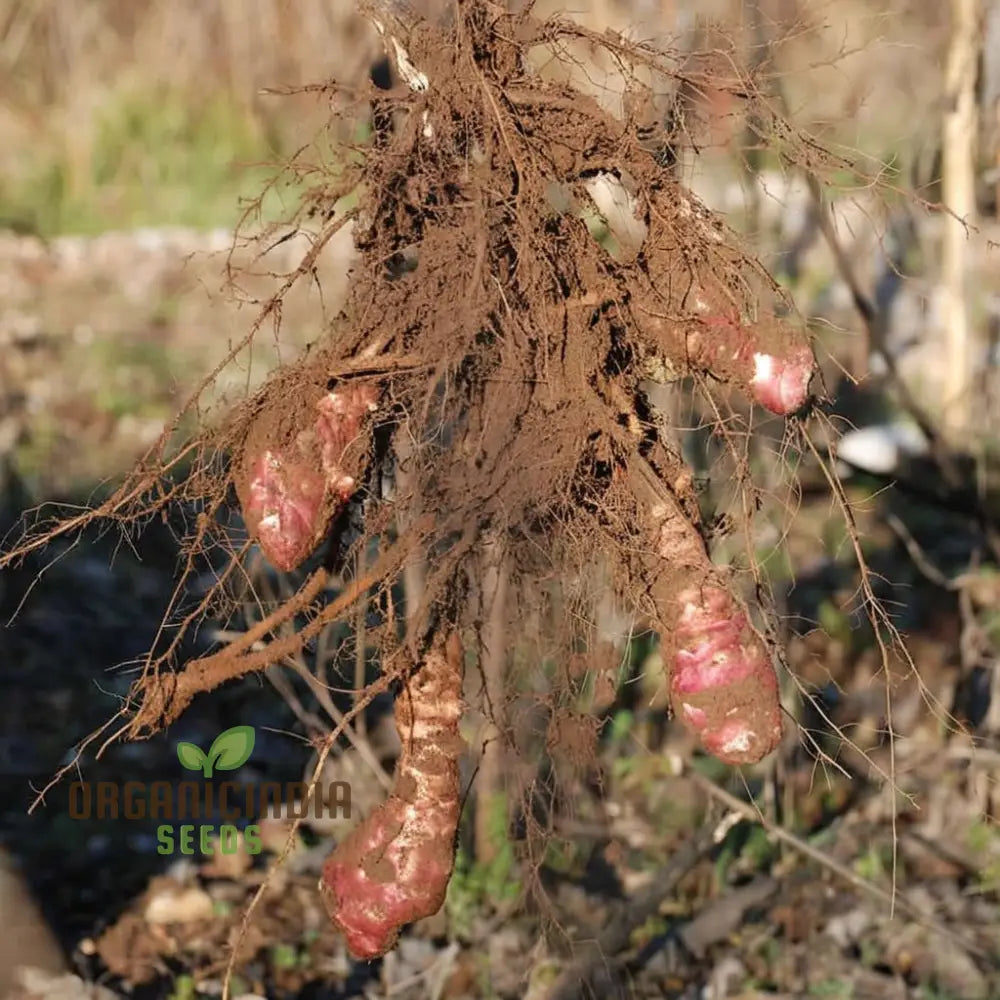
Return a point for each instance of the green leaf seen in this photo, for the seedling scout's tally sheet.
(190, 756)
(835, 622)
(232, 748)
(184, 986)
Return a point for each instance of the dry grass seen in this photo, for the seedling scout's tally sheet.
(58, 54)
(117, 113)
(112, 96)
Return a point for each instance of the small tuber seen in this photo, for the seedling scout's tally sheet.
(284, 510)
(781, 383)
(768, 358)
(723, 685)
(295, 482)
(394, 867)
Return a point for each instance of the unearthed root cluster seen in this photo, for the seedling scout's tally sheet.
(525, 408)
(491, 365)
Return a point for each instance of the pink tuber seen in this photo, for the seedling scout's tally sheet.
(394, 867)
(781, 384)
(338, 424)
(776, 369)
(768, 358)
(294, 488)
(722, 683)
(723, 686)
(284, 510)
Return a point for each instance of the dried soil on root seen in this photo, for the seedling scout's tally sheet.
(535, 336)
(497, 335)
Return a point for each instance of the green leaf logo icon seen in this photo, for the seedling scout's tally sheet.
(231, 749)
(190, 756)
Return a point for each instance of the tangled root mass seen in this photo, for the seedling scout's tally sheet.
(489, 333)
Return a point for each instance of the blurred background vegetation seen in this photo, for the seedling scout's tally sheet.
(118, 114)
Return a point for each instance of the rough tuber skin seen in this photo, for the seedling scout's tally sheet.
(723, 686)
(770, 359)
(340, 420)
(394, 867)
(722, 682)
(294, 490)
(284, 510)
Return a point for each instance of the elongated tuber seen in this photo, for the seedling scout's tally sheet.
(295, 480)
(694, 315)
(768, 359)
(722, 682)
(394, 867)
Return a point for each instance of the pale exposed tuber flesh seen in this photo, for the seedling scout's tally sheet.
(394, 867)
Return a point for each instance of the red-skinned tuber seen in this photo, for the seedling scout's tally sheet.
(775, 368)
(723, 685)
(295, 482)
(394, 867)
(722, 682)
(768, 359)
(694, 317)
